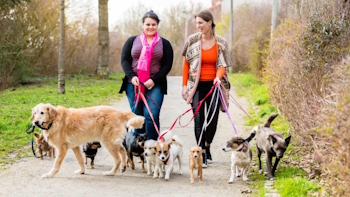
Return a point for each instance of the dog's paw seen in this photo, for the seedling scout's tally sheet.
(271, 179)
(180, 172)
(80, 171)
(260, 171)
(245, 178)
(47, 175)
(122, 169)
(109, 173)
(230, 181)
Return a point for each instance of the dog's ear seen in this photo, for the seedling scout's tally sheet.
(272, 139)
(51, 111)
(287, 140)
(169, 145)
(240, 140)
(37, 136)
(32, 117)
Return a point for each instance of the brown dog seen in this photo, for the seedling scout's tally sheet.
(271, 143)
(196, 162)
(43, 147)
(90, 151)
(68, 128)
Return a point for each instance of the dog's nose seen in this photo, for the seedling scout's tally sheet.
(146, 154)
(36, 122)
(195, 156)
(223, 149)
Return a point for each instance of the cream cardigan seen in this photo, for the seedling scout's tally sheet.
(192, 53)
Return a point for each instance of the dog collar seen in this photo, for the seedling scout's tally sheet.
(166, 161)
(242, 146)
(45, 128)
(239, 150)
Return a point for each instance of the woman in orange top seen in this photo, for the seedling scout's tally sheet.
(206, 58)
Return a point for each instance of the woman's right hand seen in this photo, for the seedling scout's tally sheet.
(184, 93)
(135, 81)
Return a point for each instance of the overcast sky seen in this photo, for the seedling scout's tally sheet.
(116, 8)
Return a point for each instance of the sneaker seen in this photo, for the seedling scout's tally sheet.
(209, 159)
(205, 162)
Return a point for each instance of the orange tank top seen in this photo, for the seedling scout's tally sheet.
(208, 66)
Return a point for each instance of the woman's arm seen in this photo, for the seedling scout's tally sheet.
(126, 59)
(166, 63)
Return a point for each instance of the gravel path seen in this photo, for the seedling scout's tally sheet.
(23, 177)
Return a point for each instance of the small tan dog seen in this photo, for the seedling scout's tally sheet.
(43, 147)
(196, 162)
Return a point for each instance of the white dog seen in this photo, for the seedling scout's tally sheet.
(167, 153)
(241, 156)
(150, 154)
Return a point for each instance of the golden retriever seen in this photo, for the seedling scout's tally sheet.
(70, 127)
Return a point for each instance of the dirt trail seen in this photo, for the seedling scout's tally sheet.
(23, 178)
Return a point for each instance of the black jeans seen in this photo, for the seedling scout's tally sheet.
(208, 134)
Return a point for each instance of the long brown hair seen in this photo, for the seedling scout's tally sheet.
(207, 16)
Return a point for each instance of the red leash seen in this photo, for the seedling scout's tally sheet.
(198, 105)
(140, 94)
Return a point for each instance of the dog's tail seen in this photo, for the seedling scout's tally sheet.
(134, 121)
(270, 119)
(175, 139)
(252, 134)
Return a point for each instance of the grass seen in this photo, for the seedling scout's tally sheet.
(16, 105)
(290, 181)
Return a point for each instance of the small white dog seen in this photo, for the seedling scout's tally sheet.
(150, 154)
(167, 153)
(241, 156)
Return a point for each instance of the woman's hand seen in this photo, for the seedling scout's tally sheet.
(217, 81)
(135, 81)
(149, 84)
(184, 93)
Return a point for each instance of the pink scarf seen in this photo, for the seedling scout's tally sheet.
(144, 64)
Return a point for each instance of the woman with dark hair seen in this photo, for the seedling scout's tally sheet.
(146, 60)
(206, 58)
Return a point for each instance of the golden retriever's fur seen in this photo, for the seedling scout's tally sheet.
(67, 128)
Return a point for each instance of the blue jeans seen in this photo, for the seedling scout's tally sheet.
(154, 98)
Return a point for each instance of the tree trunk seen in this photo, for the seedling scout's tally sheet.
(103, 39)
(274, 17)
(61, 77)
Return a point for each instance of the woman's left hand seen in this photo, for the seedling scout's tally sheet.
(217, 81)
(149, 84)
